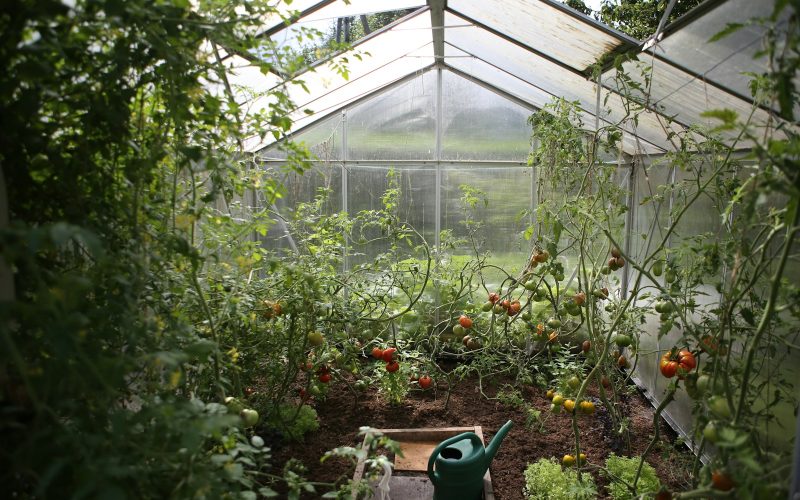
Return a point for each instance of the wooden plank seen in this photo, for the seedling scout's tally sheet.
(415, 455)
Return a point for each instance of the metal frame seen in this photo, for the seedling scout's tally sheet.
(437, 25)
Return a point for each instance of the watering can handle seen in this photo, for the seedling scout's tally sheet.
(434, 475)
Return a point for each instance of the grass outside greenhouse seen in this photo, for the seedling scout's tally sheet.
(283, 249)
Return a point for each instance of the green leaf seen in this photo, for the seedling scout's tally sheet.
(727, 30)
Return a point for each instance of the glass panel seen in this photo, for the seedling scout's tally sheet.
(650, 219)
(314, 30)
(367, 184)
(302, 188)
(517, 87)
(246, 78)
(338, 9)
(683, 96)
(324, 139)
(372, 65)
(398, 124)
(509, 193)
(538, 25)
(727, 60)
(549, 77)
(478, 124)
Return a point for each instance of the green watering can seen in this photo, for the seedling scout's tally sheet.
(461, 462)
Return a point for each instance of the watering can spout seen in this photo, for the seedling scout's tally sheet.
(496, 441)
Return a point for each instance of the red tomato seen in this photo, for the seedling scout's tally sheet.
(514, 308)
(506, 304)
(668, 367)
(465, 321)
(377, 352)
(494, 297)
(425, 381)
(392, 366)
(389, 354)
(325, 377)
(677, 364)
(721, 481)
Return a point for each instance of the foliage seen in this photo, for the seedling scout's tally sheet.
(623, 471)
(137, 303)
(295, 421)
(640, 18)
(546, 480)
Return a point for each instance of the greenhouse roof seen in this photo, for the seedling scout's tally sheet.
(531, 51)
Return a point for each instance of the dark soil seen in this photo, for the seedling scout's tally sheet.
(340, 417)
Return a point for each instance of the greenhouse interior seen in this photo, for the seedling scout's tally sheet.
(512, 249)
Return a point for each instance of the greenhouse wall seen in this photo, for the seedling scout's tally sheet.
(435, 143)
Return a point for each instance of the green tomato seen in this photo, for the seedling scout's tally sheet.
(459, 331)
(622, 340)
(670, 276)
(719, 407)
(554, 323)
(574, 382)
(234, 405)
(531, 285)
(555, 408)
(315, 338)
(658, 268)
(249, 417)
(703, 381)
(710, 432)
(486, 307)
(360, 385)
(526, 316)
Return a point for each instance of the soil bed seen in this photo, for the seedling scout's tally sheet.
(340, 417)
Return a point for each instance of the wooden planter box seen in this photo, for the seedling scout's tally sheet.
(417, 446)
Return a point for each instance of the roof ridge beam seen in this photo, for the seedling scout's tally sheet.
(437, 26)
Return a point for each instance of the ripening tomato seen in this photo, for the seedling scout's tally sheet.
(677, 364)
(568, 460)
(514, 308)
(315, 338)
(325, 377)
(587, 407)
(616, 253)
(392, 366)
(494, 297)
(425, 381)
(586, 346)
(465, 321)
(569, 405)
(668, 367)
(579, 298)
(722, 481)
(389, 354)
(377, 352)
